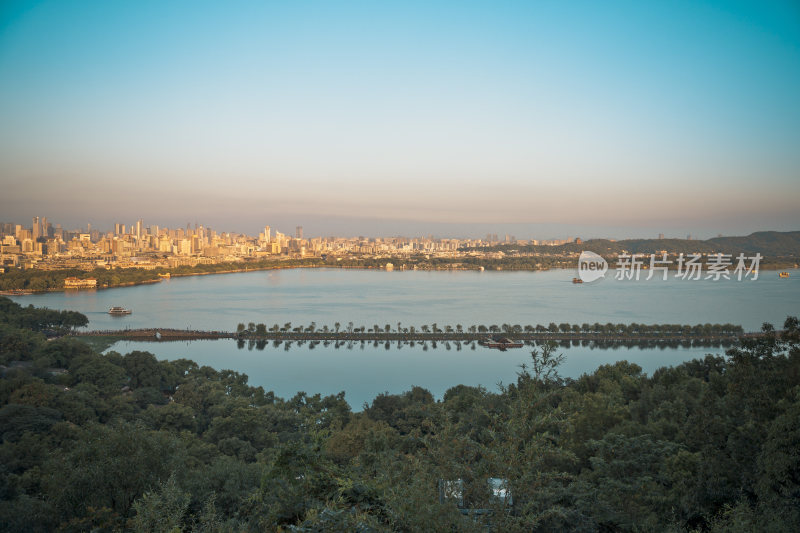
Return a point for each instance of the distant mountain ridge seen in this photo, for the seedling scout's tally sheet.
(767, 243)
(773, 244)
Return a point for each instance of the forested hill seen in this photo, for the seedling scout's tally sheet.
(92, 442)
(767, 243)
(774, 243)
(771, 244)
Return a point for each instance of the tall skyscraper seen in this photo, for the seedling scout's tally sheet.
(36, 228)
(298, 232)
(266, 234)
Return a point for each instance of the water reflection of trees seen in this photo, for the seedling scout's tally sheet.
(593, 344)
(663, 344)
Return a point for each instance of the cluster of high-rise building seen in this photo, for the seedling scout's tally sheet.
(492, 239)
(48, 246)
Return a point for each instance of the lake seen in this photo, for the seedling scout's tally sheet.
(364, 372)
(369, 297)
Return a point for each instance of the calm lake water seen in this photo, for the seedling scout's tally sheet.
(368, 297)
(363, 372)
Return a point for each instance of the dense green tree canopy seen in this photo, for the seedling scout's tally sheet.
(128, 442)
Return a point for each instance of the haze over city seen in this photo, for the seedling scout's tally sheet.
(449, 118)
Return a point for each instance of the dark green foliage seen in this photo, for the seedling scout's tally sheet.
(110, 466)
(127, 442)
(38, 319)
(17, 344)
(778, 464)
(17, 420)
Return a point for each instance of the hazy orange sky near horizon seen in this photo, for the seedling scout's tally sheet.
(447, 117)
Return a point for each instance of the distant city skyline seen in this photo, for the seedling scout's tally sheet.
(542, 120)
(374, 229)
(48, 245)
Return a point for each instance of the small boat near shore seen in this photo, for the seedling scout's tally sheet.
(783, 274)
(119, 311)
(577, 280)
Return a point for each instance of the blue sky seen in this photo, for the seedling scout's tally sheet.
(630, 118)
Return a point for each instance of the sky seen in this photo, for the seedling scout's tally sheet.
(542, 119)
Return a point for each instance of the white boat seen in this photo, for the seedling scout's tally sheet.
(119, 311)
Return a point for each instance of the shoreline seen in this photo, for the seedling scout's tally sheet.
(28, 292)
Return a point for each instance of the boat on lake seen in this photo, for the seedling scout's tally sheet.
(783, 274)
(119, 311)
(577, 280)
(500, 343)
